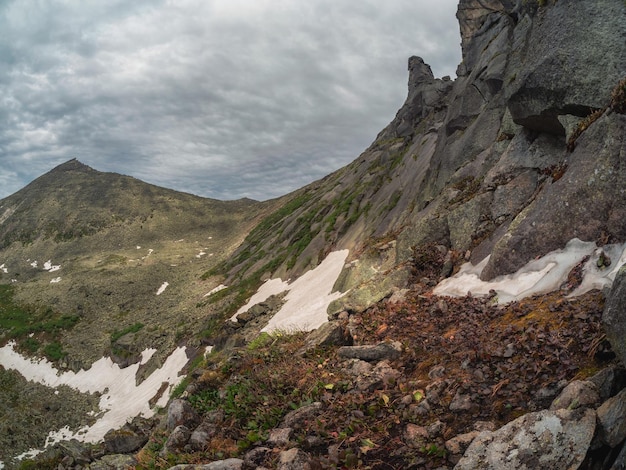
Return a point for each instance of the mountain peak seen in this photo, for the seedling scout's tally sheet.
(72, 165)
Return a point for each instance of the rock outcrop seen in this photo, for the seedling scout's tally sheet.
(513, 159)
(614, 316)
(541, 440)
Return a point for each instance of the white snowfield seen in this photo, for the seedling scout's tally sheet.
(121, 398)
(307, 299)
(539, 276)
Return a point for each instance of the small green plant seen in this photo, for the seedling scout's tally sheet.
(260, 341)
(117, 334)
(433, 450)
(180, 388)
(54, 351)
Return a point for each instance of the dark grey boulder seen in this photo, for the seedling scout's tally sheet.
(614, 315)
(578, 393)
(181, 412)
(297, 419)
(609, 381)
(612, 419)
(372, 353)
(177, 439)
(333, 333)
(124, 440)
(209, 427)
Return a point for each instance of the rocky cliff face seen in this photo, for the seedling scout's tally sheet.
(517, 156)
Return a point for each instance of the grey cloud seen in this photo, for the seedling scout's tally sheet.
(221, 98)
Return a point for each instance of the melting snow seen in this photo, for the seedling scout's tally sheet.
(216, 289)
(121, 397)
(539, 276)
(308, 296)
(4, 269)
(48, 266)
(55, 280)
(162, 288)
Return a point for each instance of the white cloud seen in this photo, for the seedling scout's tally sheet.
(187, 94)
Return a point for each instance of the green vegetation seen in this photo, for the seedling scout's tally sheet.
(54, 351)
(35, 330)
(253, 398)
(260, 341)
(117, 334)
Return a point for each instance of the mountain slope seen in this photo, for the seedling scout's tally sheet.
(115, 241)
(520, 154)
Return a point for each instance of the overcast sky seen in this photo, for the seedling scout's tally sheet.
(220, 98)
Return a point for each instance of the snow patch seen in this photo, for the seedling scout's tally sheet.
(48, 266)
(4, 269)
(539, 276)
(201, 254)
(307, 299)
(162, 288)
(55, 280)
(121, 398)
(214, 290)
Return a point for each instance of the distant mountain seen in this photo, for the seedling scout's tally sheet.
(74, 201)
(114, 241)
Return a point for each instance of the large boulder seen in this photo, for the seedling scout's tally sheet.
(541, 440)
(614, 315)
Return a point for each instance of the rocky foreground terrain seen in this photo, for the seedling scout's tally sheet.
(519, 155)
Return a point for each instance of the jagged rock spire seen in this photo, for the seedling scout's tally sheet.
(419, 72)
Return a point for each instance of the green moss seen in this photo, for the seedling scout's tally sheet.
(54, 351)
(117, 334)
(31, 327)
